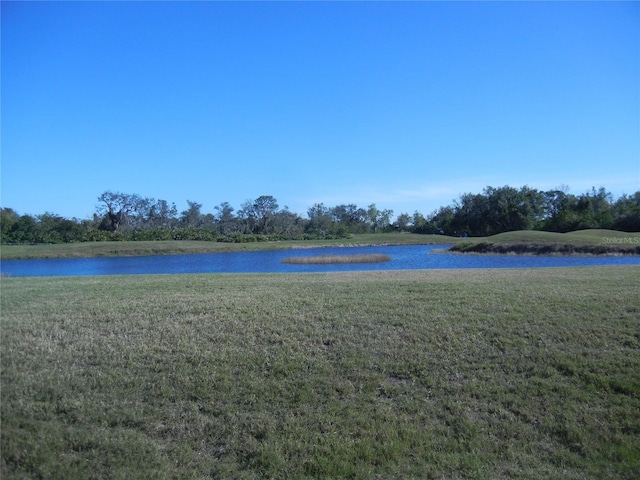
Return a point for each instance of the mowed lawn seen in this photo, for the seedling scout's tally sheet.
(418, 374)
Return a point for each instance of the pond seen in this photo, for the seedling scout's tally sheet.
(413, 257)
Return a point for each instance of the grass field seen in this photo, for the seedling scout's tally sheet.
(419, 374)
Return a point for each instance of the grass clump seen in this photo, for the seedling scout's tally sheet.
(337, 259)
(415, 374)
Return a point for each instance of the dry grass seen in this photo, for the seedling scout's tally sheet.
(482, 374)
(338, 259)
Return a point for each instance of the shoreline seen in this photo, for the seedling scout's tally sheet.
(580, 243)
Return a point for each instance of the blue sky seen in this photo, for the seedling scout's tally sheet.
(405, 105)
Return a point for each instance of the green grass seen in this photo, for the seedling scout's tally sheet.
(580, 237)
(337, 259)
(419, 374)
(109, 249)
(584, 242)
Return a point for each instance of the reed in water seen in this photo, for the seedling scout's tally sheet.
(331, 259)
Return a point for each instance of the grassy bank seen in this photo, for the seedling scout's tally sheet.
(422, 374)
(584, 242)
(603, 240)
(544, 248)
(111, 249)
(580, 237)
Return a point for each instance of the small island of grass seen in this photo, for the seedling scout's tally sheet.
(544, 249)
(337, 259)
(582, 242)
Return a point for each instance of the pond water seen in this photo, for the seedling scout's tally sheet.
(412, 257)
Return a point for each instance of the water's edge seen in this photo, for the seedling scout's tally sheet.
(405, 257)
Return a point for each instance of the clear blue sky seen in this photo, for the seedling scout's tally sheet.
(406, 105)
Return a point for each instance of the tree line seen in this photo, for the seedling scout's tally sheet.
(121, 216)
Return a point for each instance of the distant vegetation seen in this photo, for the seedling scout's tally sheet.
(121, 216)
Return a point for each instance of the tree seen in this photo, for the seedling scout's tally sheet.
(378, 219)
(192, 217)
(120, 212)
(8, 220)
(265, 208)
(320, 224)
(589, 210)
(161, 215)
(442, 221)
(116, 209)
(24, 230)
(258, 214)
(556, 206)
(152, 214)
(287, 224)
(317, 210)
(509, 209)
(493, 211)
(471, 213)
(52, 228)
(596, 208)
(350, 216)
(626, 213)
(225, 212)
(247, 214)
(402, 222)
(227, 222)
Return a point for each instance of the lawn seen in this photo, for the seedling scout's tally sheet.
(414, 374)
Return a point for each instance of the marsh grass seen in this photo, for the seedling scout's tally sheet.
(338, 259)
(417, 374)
